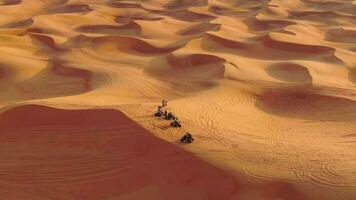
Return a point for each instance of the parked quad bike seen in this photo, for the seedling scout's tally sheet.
(170, 116)
(176, 124)
(187, 138)
(159, 114)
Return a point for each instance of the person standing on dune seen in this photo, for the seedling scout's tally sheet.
(164, 103)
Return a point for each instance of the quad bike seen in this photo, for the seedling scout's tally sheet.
(169, 116)
(176, 124)
(187, 138)
(158, 114)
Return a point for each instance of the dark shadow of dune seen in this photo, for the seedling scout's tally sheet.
(302, 48)
(327, 14)
(195, 67)
(227, 11)
(126, 29)
(58, 2)
(124, 5)
(10, 2)
(74, 151)
(75, 8)
(327, 17)
(286, 32)
(340, 35)
(60, 68)
(352, 76)
(130, 19)
(281, 190)
(189, 16)
(187, 73)
(350, 135)
(298, 48)
(2, 73)
(77, 42)
(57, 80)
(194, 60)
(322, 5)
(267, 25)
(44, 42)
(225, 42)
(268, 48)
(133, 45)
(305, 104)
(250, 4)
(290, 72)
(181, 4)
(102, 154)
(344, 7)
(199, 29)
(18, 24)
(29, 31)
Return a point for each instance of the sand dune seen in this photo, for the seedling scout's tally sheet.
(194, 60)
(197, 67)
(266, 87)
(186, 15)
(290, 72)
(226, 42)
(129, 29)
(306, 105)
(298, 48)
(352, 76)
(125, 5)
(341, 35)
(10, 2)
(128, 19)
(267, 25)
(226, 11)
(180, 4)
(43, 41)
(19, 24)
(98, 154)
(132, 45)
(76, 8)
(103, 154)
(200, 29)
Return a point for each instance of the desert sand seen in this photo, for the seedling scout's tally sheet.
(266, 87)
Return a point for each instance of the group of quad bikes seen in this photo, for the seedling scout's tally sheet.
(187, 138)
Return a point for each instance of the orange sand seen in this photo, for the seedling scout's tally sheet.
(266, 87)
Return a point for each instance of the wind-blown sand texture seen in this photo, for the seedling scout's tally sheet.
(266, 87)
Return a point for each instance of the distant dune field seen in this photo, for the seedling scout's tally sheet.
(267, 88)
